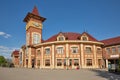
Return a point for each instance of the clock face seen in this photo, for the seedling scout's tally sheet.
(36, 24)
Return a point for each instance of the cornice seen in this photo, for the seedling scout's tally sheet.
(70, 41)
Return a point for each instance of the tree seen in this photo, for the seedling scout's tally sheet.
(2, 60)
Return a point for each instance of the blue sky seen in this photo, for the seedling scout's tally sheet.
(100, 18)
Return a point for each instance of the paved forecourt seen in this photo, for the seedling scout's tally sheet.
(47, 74)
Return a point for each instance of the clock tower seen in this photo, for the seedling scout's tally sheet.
(34, 27)
(33, 34)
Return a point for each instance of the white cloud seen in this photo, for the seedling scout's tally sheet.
(5, 35)
(6, 51)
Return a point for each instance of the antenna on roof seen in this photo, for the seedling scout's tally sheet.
(60, 31)
(85, 30)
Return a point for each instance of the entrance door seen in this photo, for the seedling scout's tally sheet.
(70, 63)
(99, 63)
(33, 63)
(27, 63)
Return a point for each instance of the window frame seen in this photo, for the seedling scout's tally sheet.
(59, 62)
(47, 51)
(118, 49)
(114, 50)
(88, 50)
(60, 50)
(89, 62)
(47, 62)
(76, 62)
(74, 50)
(108, 50)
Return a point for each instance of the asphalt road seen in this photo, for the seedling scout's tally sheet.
(47, 74)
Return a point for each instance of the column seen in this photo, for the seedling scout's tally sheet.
(42, 63)
(82, 56)
(67, 56)
(53, 56)
(106, 63)
(95, 57)
(29, 58)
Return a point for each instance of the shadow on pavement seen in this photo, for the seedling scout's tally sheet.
(106, 74)
(100, 72)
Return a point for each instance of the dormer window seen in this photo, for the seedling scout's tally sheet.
(84, 38)
(61, 38)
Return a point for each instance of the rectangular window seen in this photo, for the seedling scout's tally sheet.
(74, 49)
(36, 39)
(108, 50)
(76, 62)
(60, 50)
(47, 50)
(38, 63)
(59, 62)
(113, 50)
(118, 49)
(88, 50)
(65, 62)
(99, 50)
(70, 62)
(47, 62)
(38, 52)
(89, 62)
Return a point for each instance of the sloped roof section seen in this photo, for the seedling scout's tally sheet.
(70, 36)
(111, 41)
(67, 35)
(15, 53)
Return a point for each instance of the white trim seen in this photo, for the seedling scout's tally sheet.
(70, 41)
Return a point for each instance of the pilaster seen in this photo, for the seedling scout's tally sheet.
(95, 57)
(106, 63)
(53, 56)
(42, 52)
(82, 55)
(29, 58)
(67, 55)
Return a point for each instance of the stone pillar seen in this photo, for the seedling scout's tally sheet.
(82, 55)
(67, 56)
(42, 52)
(106, 63)
(95, 57)
(53, 56)
(29, 58)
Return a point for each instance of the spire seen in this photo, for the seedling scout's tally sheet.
(35, 11)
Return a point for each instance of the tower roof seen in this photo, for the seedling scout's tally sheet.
(34, 14)
(35, 11)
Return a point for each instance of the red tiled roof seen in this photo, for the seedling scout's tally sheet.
(91, 38)
(70, 36)
(16, 53)
(111, 41)
(35, 11)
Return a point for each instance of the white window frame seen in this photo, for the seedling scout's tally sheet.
(86, 50)
(36, 38)
(74, 50)
(60, 50)
(47, 52)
